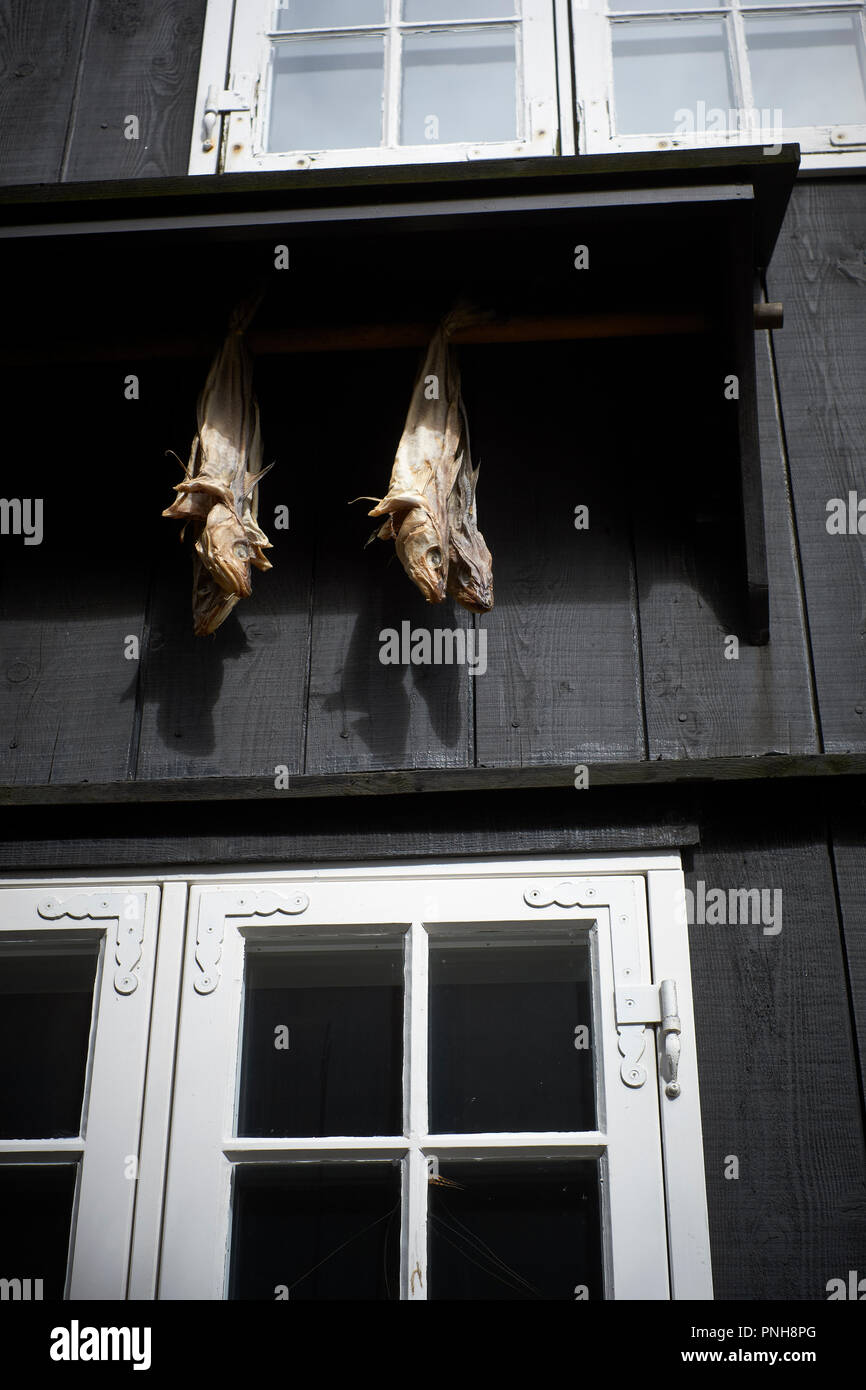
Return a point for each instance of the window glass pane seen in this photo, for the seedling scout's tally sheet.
(504, 1053)
(322, 1042)
(46, 1003)
(327, 94)
(668, 5)
(516, 1231)
(35, 1221)
(812, 67)
(317, 1230)
(661, 70)
(328, 14)
(459, 86)
(419, 10)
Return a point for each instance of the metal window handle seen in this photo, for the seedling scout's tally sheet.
(670, 1028)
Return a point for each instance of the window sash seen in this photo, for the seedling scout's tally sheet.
(105, 1197)
(253, 48)
(627, 1143)
(592, 33)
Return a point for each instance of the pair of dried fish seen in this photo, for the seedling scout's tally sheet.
(430, 503)
(218, 493)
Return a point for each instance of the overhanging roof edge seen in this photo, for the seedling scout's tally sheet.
(169, 200)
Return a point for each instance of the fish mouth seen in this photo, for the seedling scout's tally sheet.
(232, 581)
(435, 593)
(475, 599)
(231, 574)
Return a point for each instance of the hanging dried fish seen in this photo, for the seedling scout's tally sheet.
(430, 504)
(219, 489)
(425, 468)
(470, 564)
(211, 605)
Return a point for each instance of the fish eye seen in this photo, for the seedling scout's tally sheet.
(242, 550)
(435, 557)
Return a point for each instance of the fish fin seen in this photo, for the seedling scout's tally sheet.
(179, 459)
(252, 480)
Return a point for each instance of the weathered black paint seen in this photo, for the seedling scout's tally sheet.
(614, 650)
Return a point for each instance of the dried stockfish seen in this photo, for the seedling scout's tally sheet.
(430, 504)
(470, 564)
(211, 605)
(425, 468)
(219, 489)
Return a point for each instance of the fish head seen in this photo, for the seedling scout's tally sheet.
(422, 554)
(211, 605)
(225, 551)
(470, 576)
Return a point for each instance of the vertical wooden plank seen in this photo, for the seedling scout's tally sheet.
(363, 714)
(849, 857)
(699, 702)
(562, 682)
(139, 60)
(819, 272)
(778, 1080)
(233, 703)
(69, 604)
(40, 47)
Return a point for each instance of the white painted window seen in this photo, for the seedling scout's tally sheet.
(336, 83)
(413, 1082)
(696, 74)
(76, 981)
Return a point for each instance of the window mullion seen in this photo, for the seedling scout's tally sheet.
(413, 1243)
(392, 75)
(742, 75)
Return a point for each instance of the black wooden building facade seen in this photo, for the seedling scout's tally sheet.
(606, 648)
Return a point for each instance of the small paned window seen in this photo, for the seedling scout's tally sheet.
(430, 1085)
(349, 82)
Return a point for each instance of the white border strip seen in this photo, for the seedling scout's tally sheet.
(712, 193)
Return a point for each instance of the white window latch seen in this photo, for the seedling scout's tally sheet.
(218, 103)
(643, 1004)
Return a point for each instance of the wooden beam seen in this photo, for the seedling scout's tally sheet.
(366, 337)
(657, 772)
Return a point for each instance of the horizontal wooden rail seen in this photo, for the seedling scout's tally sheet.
(371, 337)
(608, 773)
(359, 337)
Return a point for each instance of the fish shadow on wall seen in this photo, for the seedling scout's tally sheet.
(379, 703)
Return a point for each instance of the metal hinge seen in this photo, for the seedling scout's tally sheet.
(642, 1004)
(220, 102)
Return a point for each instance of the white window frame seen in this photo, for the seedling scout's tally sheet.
(240, 56)
(120, 1249)
(121, 921)
(823, 149)
(656, 1243)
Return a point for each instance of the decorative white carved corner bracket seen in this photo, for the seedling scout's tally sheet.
(636, 1005)
(213, 910)
(127, 908)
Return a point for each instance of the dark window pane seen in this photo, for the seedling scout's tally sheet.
(46, 1003)
(35, 1221)
(316, 1231)
(322, 1043)
(504, 1053)
(516, 1231)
